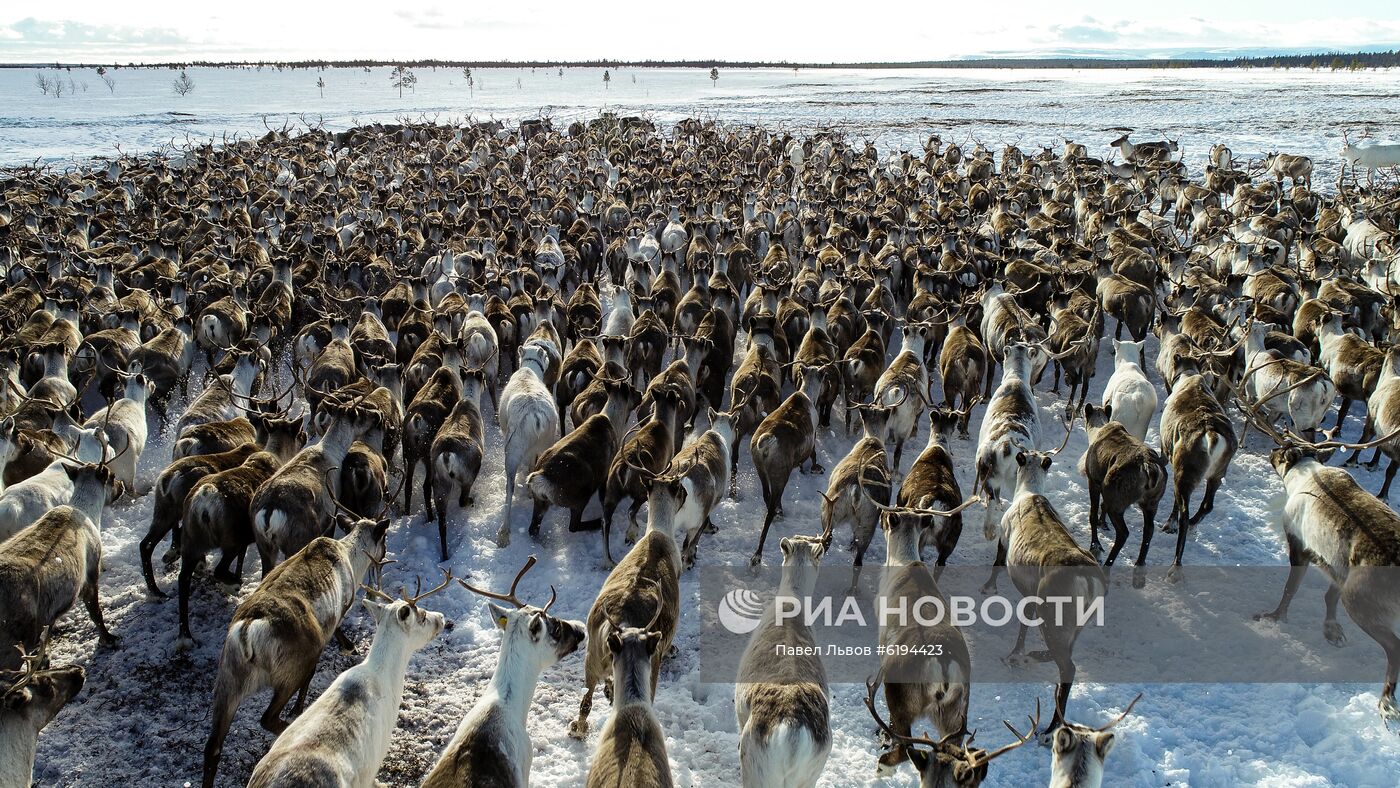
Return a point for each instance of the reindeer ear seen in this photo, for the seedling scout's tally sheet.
(786, 545)
(344, 523)
(1103, 744)
(375, 609)
(1064, 741)
(498, 614)
(614, 642)
(1020, 458)
(1045, 463)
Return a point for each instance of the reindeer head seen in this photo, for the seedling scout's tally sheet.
(36, 694)
(1078, 752)
(949, 762)
(530, 632)
(413, 625)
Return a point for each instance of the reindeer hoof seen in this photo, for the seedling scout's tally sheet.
(1269, 615)
(183, 644)
(108, 640)
(1096, 550)
(578, 730)
(170, 557)
(1169, 528)
(817, 469)
(1139, 577)
(989, 588)
(756, 560)
(503, 539)
(1332, 630)
(1174, 574)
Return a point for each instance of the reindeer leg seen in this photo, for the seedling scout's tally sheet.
(1384, 494)
(771, 502)
(1149, 515)
(1298, 567)
(1341, 417)
(536, 516)
(579, 728)
(1331, 628)
(94, 608)
(1207, 501)
(990, 587)
(1120, 535)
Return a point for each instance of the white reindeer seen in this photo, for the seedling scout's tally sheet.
(1129, 392)
(343, 737)
(529, 423)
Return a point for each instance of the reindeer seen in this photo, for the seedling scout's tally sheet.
(52, 563)
(277, 634)
(491, 745)
(1044, 561)
(1128, 392)
(28, 702)
(860, 483)
(216, 515)
(296, 504)
(344, 736)
(949, 762)
(783, 441)
(781, 702)
(1122, 471)
(1012, 420)
(645, 585)
(1199, 442)
(454, 460)
(1078, 752)
(529, 423)
(632, 746)
(918, 686)
(904, 388)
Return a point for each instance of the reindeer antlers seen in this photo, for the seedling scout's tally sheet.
(510, 596)
(30, 663)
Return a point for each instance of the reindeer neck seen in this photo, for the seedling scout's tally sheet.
(388, 657)
(56, 365)
(17, 743)
(725, 431)
(340, 435)
(515, 678)
(632, 681)
(242, 385)
(799, 580)
(902, 545)
(89, 496)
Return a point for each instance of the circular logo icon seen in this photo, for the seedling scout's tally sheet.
(740, 611)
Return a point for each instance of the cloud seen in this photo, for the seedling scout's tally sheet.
(39, 39)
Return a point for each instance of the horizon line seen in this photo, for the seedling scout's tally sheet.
(1294, 56)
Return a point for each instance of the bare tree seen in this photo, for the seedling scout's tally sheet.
(182, 84)
(107, 79)
(401, 78)
(606, 78)
(321, 86)
(58, 87)
(41, 81)
(714, 75)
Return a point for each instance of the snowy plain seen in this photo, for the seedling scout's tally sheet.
(142, 718)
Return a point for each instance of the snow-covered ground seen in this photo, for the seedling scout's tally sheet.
(143, 716)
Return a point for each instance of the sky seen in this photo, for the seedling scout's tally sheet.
(874, 30)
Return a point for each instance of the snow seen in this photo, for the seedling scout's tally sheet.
(143, 715)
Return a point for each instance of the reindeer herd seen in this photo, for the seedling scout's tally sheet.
(638, 307)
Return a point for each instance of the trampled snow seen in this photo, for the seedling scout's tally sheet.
(143, 716)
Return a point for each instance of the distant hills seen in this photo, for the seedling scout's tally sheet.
(1083, 58)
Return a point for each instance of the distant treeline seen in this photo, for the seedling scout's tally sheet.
(1322, 60)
